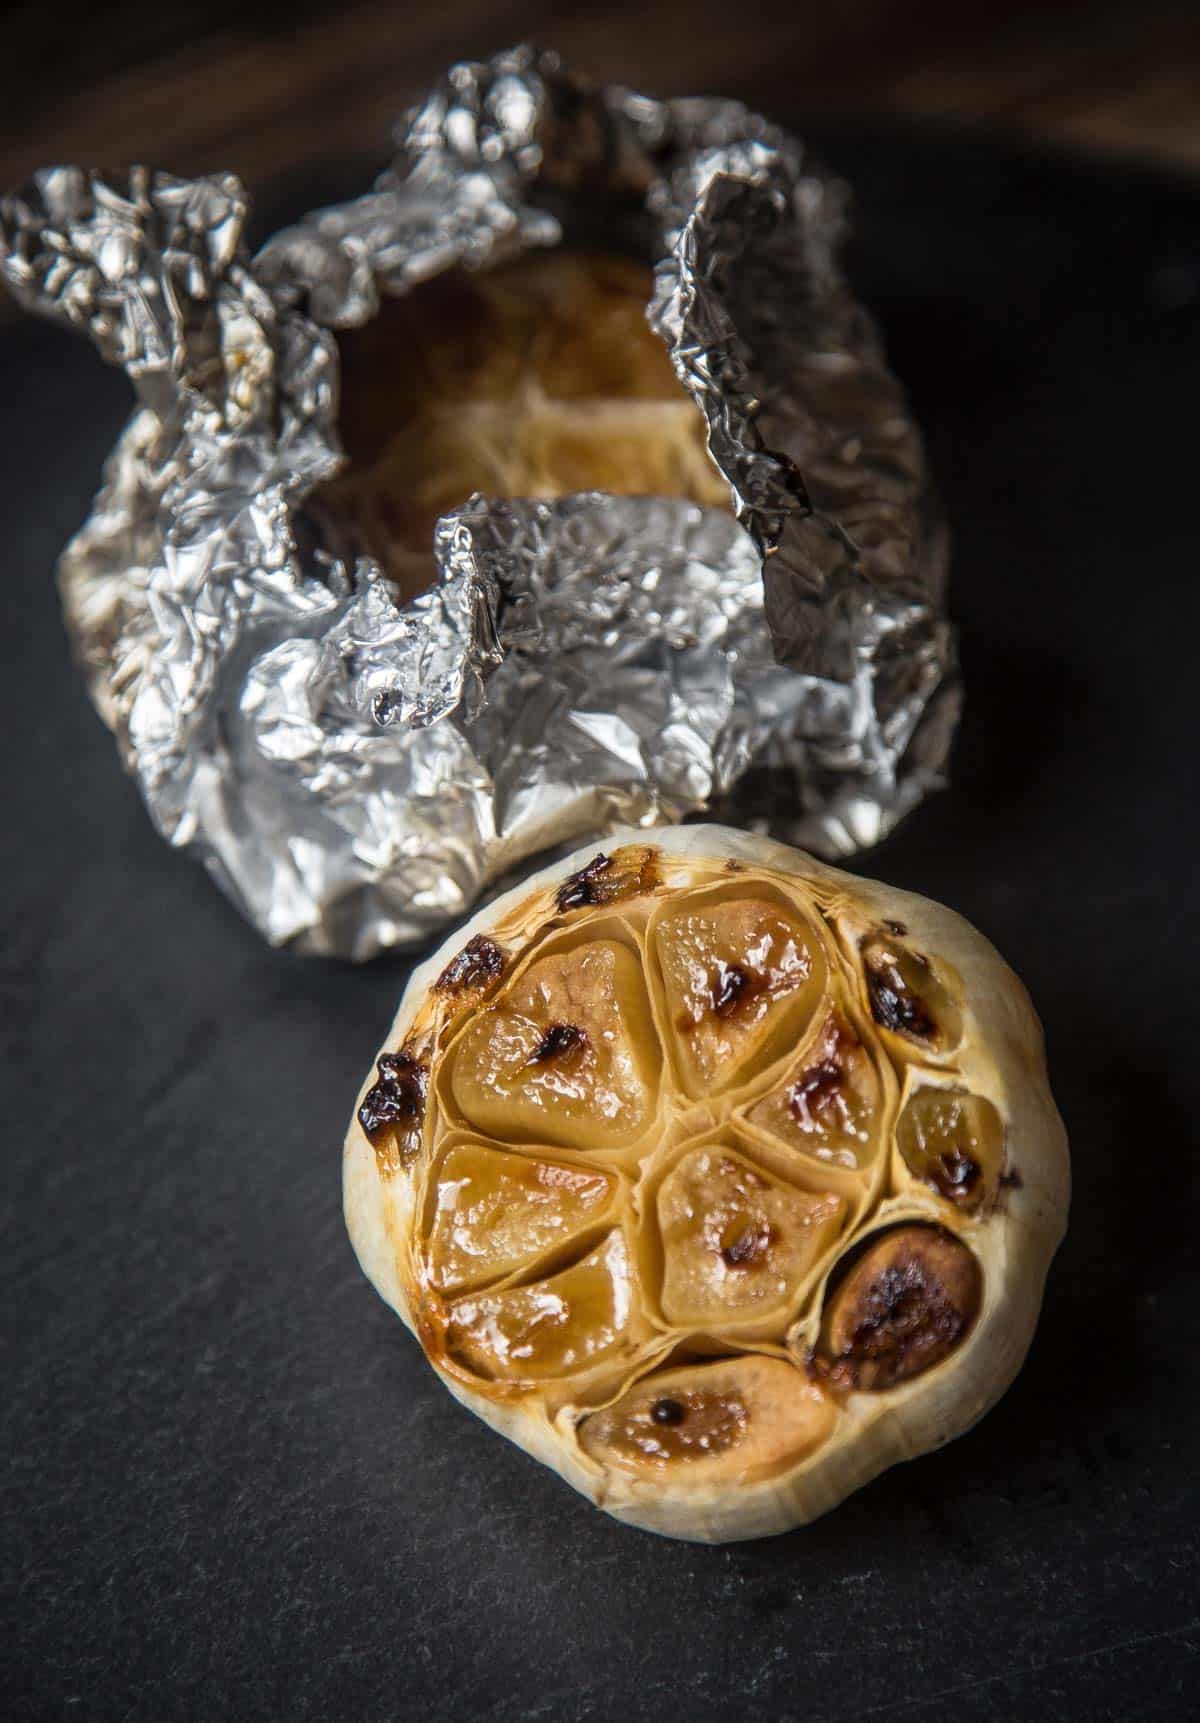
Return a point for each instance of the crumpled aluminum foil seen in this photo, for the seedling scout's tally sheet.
(356, 773)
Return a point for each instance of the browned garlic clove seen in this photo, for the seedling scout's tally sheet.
(566, 1054)
(550, 1327)
(954, 1142)
(736, 1242)
(497, 1210)
(739, 1417)
(908, 998)
(907, 1302)
(829, 1104)
(738, 975)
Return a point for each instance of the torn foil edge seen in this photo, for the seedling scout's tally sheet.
(356, 773)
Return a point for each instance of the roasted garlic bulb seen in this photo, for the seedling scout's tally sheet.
(534, 379)
(716, 1178)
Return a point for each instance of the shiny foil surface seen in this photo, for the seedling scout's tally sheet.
(355, 771)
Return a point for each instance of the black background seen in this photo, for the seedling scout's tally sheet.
(236, 1489)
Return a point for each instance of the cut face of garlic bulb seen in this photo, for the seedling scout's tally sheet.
(717, 1179)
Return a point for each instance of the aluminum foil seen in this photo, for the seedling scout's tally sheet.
(356, 772)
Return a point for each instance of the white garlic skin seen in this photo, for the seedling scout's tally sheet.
(1000, 1057)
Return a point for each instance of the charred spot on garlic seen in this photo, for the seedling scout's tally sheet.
(630, 872)
(559, 1042)
(893, 1006)
(393, 1109)
(583, 889)
(819, 1091)
(676, 1222)
(813, 1092)
(829, 1106)
(475, 969)
(745, 1244)
(730, 985)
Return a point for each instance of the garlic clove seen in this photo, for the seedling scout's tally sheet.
(908, 998)
(497, 1210)
(733, 1419)
(904, 1306)
(954, 1142)
(829, 1104)
(551, 1327)
(736, 1242)
(738, 975)
(567, 1054)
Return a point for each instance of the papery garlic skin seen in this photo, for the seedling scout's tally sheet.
(911, 998)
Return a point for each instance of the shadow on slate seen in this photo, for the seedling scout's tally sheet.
(235, 1489)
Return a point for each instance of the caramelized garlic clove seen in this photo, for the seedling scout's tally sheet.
(497, 1210)
(908, 998)
(550, 1328)
(736, 1241)
(567, 1054)
(738, 974)
(955, 1142)
(903, 1306)
(829, 1105)
(699, 1422)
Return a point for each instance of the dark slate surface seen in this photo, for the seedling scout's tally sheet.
(236, 1490)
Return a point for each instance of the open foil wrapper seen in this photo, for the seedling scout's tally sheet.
(356, 768)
